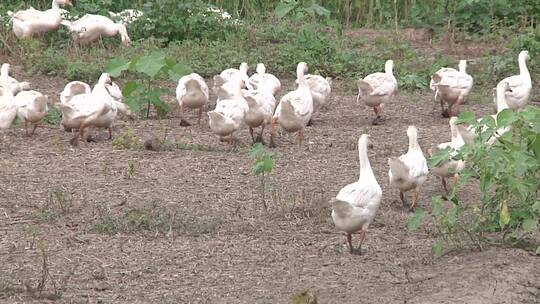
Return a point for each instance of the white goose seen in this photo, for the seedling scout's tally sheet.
(261, 108)
(451, 167)
(191, 92)
(452, 87)
(229, 75)
(271, 82)
(78, 87)
(356, 204)
(32, 22)
(8, 108)
(320, 90)
(96, 109)
(31, 108)
(90, 28)
(295, 108)
(228, 116)
(378, 88)
(410, 170)
(468, 133)
(520, 85)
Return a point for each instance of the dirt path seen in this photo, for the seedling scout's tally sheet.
(187, 226)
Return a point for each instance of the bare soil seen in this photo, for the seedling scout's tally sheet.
(186, 225)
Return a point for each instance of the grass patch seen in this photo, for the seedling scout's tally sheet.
(154, 220)
(127, 141)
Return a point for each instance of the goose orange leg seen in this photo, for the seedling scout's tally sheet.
(362, 237)
(183, 122)
(444, 185)
(349, 240)
(251, 133)
(200, 115)
(378, 112)
(300, 136)
(402, 197)
(415, 200)
(26, 127)
(273, 133)
(34, 127)
(458, 105)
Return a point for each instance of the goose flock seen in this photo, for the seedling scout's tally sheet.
(250, 102)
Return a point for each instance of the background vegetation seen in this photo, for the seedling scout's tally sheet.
(281, 33)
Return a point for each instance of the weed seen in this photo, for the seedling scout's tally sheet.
(191, 146)
(130, 171)
(53, 117)
(264, 163)
(62, 198)
(304, 297)
(153, 219)
(304, 205)
(106, 222)
(127, 141)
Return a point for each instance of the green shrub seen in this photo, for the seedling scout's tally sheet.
(509, 176)
(175, 20)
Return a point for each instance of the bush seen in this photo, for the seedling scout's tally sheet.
(509, 176)
(175, 20)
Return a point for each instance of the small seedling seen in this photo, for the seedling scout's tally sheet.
(130, 170)
(263, 165)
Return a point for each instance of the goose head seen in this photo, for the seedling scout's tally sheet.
(122, 30)
(412, 134)
(244, 68)
(104, 79)
(500, 95)
(524, 56)
(261, 69)
(302, 68)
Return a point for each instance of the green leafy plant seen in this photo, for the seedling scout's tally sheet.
(147, 92)
(508, 210)
(174, 20)
(301, 9)
(263, 165)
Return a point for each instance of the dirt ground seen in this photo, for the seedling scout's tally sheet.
(187, 225)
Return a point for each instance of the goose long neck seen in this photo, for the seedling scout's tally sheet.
(463, 66)
(4, 75)
(413, 142)
(523, 70)
(457, 140)
(4, 79)
(243, 69)
(365, 166)
(388, 67)
(501, 99)
(300, 75)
